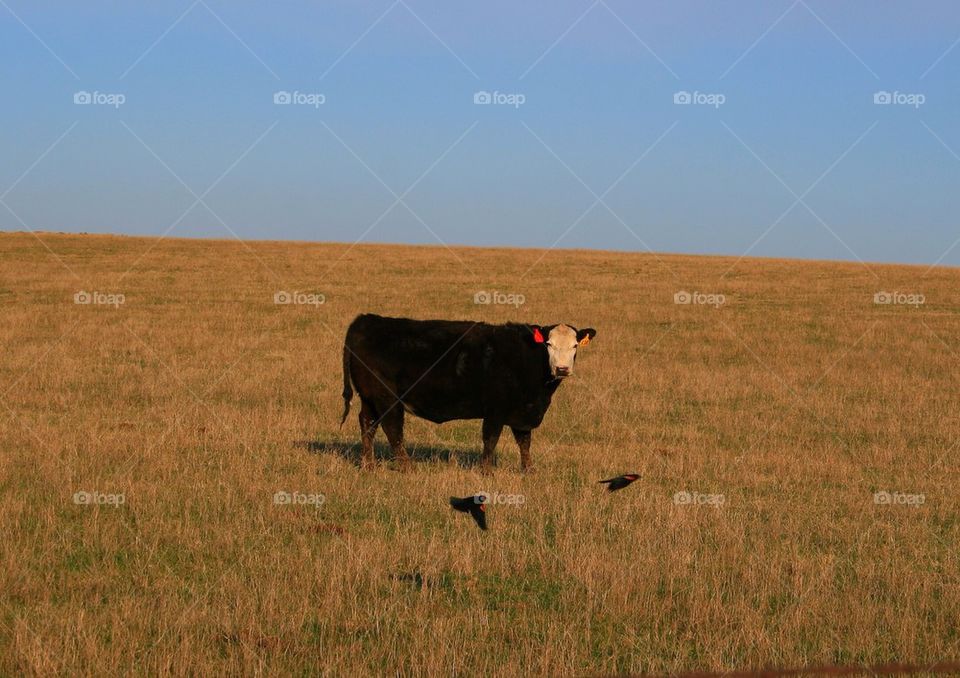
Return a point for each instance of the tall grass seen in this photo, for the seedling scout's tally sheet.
(198, 399)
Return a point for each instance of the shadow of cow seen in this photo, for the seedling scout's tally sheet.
(463, 457)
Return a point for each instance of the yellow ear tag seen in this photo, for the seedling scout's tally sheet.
(585, 340)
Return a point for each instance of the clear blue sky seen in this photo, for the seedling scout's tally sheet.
(398, 80)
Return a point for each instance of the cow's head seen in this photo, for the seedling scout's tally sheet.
(561, 343)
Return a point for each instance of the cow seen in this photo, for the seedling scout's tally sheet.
(441, 370)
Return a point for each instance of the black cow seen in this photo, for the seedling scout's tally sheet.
(441, 370)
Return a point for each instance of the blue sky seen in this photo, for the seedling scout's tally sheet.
(797, 160)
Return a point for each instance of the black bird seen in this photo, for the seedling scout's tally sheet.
(475, 506)
(620, 482)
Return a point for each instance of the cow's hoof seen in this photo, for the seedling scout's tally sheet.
(368, 465)
(405, 466)
(528, 469)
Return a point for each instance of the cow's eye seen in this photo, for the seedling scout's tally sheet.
(549, 344)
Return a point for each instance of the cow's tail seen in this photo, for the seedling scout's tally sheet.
(347, 388)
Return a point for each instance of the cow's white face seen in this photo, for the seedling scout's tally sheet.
(562, 350)
(562, 343)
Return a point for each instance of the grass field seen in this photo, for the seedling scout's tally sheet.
(781, 412)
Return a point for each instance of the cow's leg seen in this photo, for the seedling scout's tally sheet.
(368, 429)
(491, 434)
(523, 442)
(393, 426)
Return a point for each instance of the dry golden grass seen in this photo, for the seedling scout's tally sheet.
(199, 398)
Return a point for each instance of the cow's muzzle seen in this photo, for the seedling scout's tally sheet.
(562, 372)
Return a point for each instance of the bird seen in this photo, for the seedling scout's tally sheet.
(620, 482)
(475, 506)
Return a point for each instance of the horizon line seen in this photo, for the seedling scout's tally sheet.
(648, 253)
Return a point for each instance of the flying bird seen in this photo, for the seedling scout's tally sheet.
(620, 482)
(475, 506)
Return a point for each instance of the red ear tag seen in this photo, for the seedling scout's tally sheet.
(537, 337)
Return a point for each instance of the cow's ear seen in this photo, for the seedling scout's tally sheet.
(584, 336)
(537, 334)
